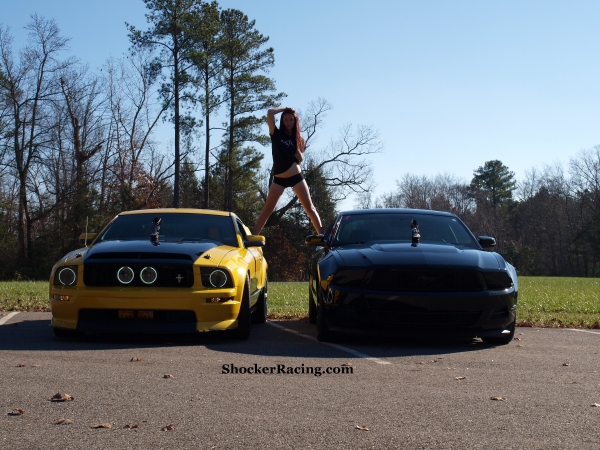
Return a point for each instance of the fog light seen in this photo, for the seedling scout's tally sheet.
(218, 299)
(61, 298)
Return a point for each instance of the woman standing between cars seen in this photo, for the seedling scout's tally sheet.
(287, 146)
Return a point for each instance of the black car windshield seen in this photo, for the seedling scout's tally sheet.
(173, 228)
(360, 228)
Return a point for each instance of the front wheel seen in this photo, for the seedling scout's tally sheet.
(324, 334)
(259, 315)
(244, 318)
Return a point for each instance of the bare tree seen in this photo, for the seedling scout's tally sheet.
(27, 88)
(136, 109)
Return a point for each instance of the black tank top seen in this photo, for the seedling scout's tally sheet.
(283, 148)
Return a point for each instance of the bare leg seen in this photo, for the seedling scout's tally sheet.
(275, 192)
(303, 194)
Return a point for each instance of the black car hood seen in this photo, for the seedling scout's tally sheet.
(422, 255)
(189, 251)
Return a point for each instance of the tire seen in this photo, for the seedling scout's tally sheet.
(244, 317)
(502, 340)
(259, 315)
(64, 333)
(324, 334)
(312, 306)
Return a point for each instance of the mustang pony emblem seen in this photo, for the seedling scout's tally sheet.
(179, 278)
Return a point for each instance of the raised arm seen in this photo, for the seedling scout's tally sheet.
(271, 118)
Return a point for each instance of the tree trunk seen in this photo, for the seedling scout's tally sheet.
(177, 128)
(207, 151)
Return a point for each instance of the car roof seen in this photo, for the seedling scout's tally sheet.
(209, 212)
(395, 210)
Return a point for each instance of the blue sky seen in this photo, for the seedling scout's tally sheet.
(449, 84)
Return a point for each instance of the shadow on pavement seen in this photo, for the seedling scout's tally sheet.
(264, 340)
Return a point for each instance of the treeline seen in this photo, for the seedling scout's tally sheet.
(79, 146)
(546, 224)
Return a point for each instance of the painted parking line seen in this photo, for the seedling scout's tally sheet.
(583, 331)
(7, 317)
(339, 347)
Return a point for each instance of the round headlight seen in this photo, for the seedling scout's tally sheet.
(218, 278)
(67, 276)
(125, 275)
(148, 275)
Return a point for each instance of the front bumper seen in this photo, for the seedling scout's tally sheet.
(483, 314)
(92, 309)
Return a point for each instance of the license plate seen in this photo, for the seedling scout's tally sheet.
(145, 314)
(126, 314)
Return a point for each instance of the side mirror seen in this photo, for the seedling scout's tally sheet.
(314, 239)
(87, 238)
(254, 240)
(486, 241)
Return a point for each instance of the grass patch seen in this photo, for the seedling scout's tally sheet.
(543, 301)
(288, 300)
(24, 296)
(559, 302)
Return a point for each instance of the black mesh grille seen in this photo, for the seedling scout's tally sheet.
(169, 275)
(427, 319)
(424, 280)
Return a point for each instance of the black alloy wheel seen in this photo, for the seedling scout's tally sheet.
(244, 316)
(259, 315)
(324, 334)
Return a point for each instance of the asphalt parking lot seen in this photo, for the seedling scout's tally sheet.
(381, 393)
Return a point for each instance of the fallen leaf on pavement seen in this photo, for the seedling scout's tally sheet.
(498, 399)
(566, 364)
(516, 339)
(16, 412)
(63, 422)
(459, 378)
(129, 426)
(20, 365)
(596, 405)
(346, 364)
(102, 425)
(36, 365)
(361, 428)
(169, 427)
(58, 397)
(168, 375)
(135, 359)
(450, 368)
(421, 362)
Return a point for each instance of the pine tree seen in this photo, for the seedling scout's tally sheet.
(247, 89)
(495, 182)
(170, 32)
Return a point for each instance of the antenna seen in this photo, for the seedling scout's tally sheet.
(86, 227)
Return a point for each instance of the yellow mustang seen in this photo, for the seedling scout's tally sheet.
(162, 270)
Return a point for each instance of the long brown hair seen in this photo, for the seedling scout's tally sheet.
(296, 130)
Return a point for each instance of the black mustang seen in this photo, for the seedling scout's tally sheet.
(408, 271)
